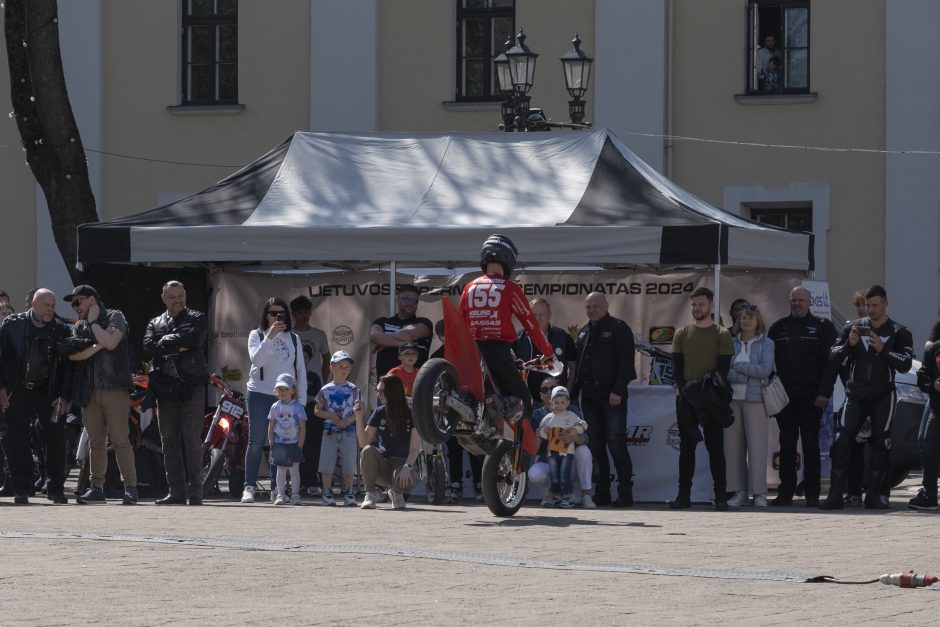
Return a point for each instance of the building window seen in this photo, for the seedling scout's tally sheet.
(483, 26)
(778, 47)
(798, 217)
(210, 52)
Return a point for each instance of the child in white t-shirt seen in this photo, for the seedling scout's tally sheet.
(558, 428)
(287, 429)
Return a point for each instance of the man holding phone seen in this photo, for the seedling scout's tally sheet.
(872, 349)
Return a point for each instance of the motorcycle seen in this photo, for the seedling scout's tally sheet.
(432, 469)
(225, 441)
(449, 400)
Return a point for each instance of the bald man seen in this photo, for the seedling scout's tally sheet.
(604, 368)
(802, 342)
(34, 383)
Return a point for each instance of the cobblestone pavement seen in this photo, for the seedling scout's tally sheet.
(228, 563)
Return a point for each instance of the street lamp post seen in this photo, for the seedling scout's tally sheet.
(577, 67)
(515, 74)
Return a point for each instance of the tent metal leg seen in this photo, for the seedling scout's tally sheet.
(718, 293)
(393, 274)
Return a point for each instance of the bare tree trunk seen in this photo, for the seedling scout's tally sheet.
(45, 122)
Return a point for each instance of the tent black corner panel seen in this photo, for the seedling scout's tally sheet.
(99, 244)
(682, 245)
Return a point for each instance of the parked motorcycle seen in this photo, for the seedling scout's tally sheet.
(449, 400)
(432, 469)
(225, 441)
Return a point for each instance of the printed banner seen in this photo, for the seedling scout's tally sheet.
(653, 304)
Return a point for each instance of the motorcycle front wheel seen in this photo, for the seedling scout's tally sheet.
(434, 420)
(503, 488)
(212, 471)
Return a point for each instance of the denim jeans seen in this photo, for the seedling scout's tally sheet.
(259, 405)
(559, 472)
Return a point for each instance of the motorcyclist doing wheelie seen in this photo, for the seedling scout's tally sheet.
(488, 304)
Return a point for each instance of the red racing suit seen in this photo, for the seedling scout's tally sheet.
(488, 304)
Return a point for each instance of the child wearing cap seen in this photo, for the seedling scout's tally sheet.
(407, 372)
(287, 430)
(558, 428)
(339, 406)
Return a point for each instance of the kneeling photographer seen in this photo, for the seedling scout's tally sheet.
(175, 344)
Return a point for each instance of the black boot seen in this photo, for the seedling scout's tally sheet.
(683, 500)
(836, 483)
(624, 495)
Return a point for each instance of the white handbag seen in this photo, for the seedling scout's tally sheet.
(775, 396)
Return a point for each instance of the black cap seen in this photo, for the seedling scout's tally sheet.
(82, 290)
(409, 346)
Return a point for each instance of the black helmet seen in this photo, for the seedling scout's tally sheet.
(500, 249)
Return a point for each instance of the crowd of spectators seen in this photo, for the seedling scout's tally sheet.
(304, 409)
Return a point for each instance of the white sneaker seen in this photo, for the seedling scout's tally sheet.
(760, 501)
(739, 499)
(397, 498)
(349, 500)
(549, 500)
(587, 502)
(295, 499)
(368, 502)
(248, 496)
(327, 498)
(279, 500)
(314, 491)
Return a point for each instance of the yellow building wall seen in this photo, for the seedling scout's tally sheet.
(142, 77)
(17, 207)
(417, 62)
(847, 72)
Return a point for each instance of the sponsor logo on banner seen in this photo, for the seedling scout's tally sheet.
(639, 435)
(819, 304)
(224, 333)
(231, 374)
(672, 436)
(343, 335)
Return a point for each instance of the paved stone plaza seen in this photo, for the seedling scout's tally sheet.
(227, 563)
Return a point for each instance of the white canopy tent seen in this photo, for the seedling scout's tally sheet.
(365, 198)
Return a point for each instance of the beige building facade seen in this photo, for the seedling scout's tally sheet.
(673, 78)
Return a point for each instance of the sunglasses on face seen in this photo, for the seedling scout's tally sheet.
(748, 307)
(408, 300)
(274, 312)
(76, 304)
(545, 390)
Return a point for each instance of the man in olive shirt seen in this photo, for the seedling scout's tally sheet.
(698, 349)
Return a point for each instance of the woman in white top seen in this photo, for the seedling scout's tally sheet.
(746, 439)
(274, 350)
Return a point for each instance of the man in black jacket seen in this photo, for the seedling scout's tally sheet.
(928, 380)
(801, 346)
(605, 367)
(33, 385)
(175, 341)
(873, 349)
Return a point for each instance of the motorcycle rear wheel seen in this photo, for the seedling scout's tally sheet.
(504, 490)
(212, 471)
(437, 481)
(436, 380)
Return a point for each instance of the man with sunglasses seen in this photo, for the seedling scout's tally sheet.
(33, 385)
(105, 412)
(801, 348)
(390, 332)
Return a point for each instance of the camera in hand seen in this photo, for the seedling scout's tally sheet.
(282, 316)
(863, 331)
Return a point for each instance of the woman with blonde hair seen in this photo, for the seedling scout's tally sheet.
(746, 439)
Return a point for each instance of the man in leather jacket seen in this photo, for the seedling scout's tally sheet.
(175, 341)
(801, 345)
(33, 385)
(873, 349)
